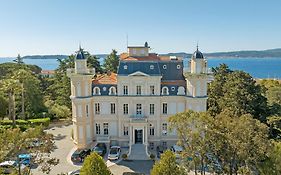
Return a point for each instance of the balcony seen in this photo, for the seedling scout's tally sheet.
(138, 118)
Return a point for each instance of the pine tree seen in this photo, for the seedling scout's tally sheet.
(111, 62)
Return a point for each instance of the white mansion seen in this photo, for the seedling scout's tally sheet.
(133, 105)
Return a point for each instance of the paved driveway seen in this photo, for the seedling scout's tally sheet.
(139, 166)
(65, 147)
(64, 144)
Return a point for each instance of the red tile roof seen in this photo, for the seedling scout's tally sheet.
(106, 79)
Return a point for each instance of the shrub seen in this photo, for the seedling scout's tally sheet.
(124, 156)
(152, 156)
(40, 121)
(22, 122)
(6, 122)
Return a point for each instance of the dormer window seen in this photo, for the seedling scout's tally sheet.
(125, 67)
(173, 88)
(165, 91)
(178, 66)
(151, 66)
(164, 66)
(96, 91)
(112, 91)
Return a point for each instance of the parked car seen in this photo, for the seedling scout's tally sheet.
(24, 159)
(9, 166)
(177, 150)
(79, 155)
(114, 153)
(159, 151)
(100, 148)
(76, 172)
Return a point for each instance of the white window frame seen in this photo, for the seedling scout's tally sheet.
(97, 108)
(138, 90)
(165, 108)
(164, 129)
(96, 91)
(112, 108)
(151, 109)
(152, 90)
(125, 130)
(126, 109)
(112, 90)
(105, 129)
(98, 128)
(138, 109)
(165, 90)
(151, 130)
(125, 90)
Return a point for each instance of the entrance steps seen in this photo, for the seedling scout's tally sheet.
(138, 152)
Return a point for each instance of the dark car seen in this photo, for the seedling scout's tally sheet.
(100, 148)
(79, 155)
(159, 151)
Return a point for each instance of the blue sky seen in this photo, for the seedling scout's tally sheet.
(57, 26)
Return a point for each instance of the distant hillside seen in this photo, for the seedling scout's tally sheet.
(246, 53)
(45, 57)
(250, 53)
(55, 56)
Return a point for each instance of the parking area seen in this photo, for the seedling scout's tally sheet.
(65, 148)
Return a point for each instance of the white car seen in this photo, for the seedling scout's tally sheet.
(9, 166)
(114, 153)
(76, 172)
(177, 150)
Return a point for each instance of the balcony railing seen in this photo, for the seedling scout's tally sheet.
(138, 117)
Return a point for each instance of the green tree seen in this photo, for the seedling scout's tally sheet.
(19, 60)
(237, 92)
(3, 104)
(94, 165)
(241, 143)
(167, 165)
(271, 165)
(93, 62)
(111, 62)
(15, 141)
(30, 93)
(194, 133)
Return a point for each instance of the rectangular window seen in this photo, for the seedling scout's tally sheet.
(97, 128)
(138, 90)
(126, 130)
(151, 130)
(125, 90)
(165, 108)
(105, 128)
(152, 90)
(164, 144)
(97, 108)
(87, 110)
(112, 108)
(138, 109)
(151, 109)
(125, 109)
(164, 129)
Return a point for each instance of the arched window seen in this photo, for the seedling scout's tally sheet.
(165, 91)
(151, 66)
(96, 91)
(181, 91)
(112, 90)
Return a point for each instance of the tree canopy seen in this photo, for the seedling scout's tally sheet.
(94, 165)
(111, 62)
(167, 165)
(237, 92)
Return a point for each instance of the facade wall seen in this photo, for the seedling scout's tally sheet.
(92, 123)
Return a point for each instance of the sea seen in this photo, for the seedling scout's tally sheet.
(257, 67)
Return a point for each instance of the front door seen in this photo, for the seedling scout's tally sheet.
(138, 136)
